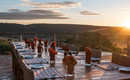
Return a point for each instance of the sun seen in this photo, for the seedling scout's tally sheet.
(126, 24)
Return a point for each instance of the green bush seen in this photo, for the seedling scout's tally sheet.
(4, 47)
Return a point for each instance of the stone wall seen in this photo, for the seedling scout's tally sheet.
(120, 59)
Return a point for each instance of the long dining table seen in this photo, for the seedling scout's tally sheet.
(27, 66)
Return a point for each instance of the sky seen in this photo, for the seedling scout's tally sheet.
(88, 12)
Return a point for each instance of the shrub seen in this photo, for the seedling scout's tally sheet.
(4, 47)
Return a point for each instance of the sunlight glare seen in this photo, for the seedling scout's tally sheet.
(126, 24)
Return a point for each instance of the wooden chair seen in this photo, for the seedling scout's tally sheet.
(96, 56)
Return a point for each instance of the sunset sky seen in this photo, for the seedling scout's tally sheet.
(91, 12)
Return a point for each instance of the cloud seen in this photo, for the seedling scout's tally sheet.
(86, 12)
(15, 14)
(50, 4)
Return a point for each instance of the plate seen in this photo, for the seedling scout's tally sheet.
(28, 56)
(124, 69)
(37, 66)
(88, 64)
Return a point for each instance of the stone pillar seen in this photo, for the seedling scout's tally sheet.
(21, 36)
(54, 36)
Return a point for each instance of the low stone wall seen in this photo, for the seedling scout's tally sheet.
(120, 59)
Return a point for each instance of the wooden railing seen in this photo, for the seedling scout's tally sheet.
(20, 71)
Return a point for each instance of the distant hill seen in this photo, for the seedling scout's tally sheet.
(5, 27)
(57, 28)
(116, 35)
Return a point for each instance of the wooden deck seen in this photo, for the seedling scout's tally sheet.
(6, 72)
(96, 72)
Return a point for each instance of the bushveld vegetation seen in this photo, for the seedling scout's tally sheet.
(4, 47)
(92, 40)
